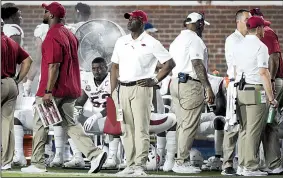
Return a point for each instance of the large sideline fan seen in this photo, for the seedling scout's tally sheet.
(97, 38)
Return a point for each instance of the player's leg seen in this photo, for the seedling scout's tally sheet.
(60, 140)
(160, 145)
(19, 157)
(112, 159)
(75, 130)
(171, 148)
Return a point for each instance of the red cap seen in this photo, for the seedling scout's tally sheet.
(137, 13)
(56, 9)
(257, 12)
(254, 22)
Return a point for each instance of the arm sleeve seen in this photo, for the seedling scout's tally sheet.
(115, 56)
(228, 52)
(271, 41)
(262, 57)
(161, 54)
(196, 50)
(22, 55)
(52, 51)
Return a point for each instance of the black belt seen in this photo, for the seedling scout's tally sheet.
(192, 79)
(128, 84)
(254, 84)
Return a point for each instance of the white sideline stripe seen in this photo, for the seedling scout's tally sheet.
(93, 175)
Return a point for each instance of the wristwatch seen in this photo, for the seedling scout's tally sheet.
(48, 92)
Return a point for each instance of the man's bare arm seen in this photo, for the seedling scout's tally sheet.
(166, 69)
(53, 72)
(82, 99)
(114, 74)
(25, 66)
(201, 72)
(35, 67)
(273, 64)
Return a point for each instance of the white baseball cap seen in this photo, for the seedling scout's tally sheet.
(195, 17)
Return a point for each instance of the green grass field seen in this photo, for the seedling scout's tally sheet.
(60, 172)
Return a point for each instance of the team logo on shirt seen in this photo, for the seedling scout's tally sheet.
(87, 88)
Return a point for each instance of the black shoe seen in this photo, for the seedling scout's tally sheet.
(229, 171)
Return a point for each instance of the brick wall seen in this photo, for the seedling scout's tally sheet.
(168, 19)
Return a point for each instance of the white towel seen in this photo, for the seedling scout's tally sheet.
(231, 118)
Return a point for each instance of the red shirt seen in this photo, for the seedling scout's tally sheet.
(11, 55)
(61, 46)
(270, 39)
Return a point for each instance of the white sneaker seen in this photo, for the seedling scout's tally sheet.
(253, 173)
(123, 164)
(57, 161)
(240, 170)
(277, 171)
(33, 169)
(127, 171)
(49, 158)
(97, 163)
(169, 164)
(76, 162)
(6, 167)
(185, 168)
(110, 163)
(19, 160)
(139, 171)
(213, 164)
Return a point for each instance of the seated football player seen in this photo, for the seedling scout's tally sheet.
(95, 91)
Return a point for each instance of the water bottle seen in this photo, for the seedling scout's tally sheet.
(271, 114)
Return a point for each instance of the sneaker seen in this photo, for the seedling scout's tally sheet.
(110, 163)
(33, 169)
(57, 161)
(76, 162)
(247, 172)
(48, 159)
(127, 171)
(213, 164)
(168, 164)
(277, 171)
(139, 171)
(185, 168)
(97, 163)
(6, 167)
(229, 171)
(240, 170)
(19, 160)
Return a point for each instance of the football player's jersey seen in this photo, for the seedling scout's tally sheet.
(97, 94)
(74, 26)
(14, 29)
(41, 31)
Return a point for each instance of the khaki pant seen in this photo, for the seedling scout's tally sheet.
(270, 134)
(9, 93)
(252, 119)
(229, 146)
(135, 101)
(72, 128)
(188, 103)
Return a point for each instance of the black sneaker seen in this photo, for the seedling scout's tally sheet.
(229, 171)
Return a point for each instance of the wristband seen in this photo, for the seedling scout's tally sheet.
(47, 92)
(155, 79)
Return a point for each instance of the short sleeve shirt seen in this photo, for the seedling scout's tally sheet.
(11, 55)
(138, 58)
(61, 46)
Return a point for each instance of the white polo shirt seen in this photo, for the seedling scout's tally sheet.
(186, 47)
(138, 58)
(14, 29)
(248, 56)
(230, 42)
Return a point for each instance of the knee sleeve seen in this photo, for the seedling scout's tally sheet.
(219, 123)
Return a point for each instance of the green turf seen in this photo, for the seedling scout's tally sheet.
(59, 172)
